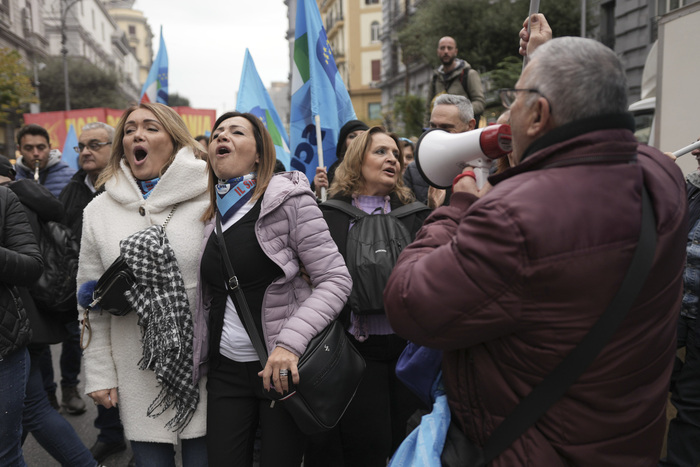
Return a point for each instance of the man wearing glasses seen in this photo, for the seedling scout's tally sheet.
(532, 264)
(94, 149)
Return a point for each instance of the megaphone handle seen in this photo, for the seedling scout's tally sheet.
(482, 174)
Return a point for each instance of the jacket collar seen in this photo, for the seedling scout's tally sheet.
(555, 147)
(185, 179)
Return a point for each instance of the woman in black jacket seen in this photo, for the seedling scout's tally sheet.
(20, 264)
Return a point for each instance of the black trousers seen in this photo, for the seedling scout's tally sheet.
(236, 405)
(375, 423)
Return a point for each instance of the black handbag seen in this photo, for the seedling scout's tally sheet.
(110, 288)
(459, 451)
(330, 370)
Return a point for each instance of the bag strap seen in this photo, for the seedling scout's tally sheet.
(234, 290)
(347, 208)
(553, 387)
(408, 209)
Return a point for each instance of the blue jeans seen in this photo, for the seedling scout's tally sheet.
(109, 424)
(194, 453)
(684, 430)
(50, 429)
(14, 370)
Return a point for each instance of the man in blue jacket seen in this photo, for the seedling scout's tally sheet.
(34, 145)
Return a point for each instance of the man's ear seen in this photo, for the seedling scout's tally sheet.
(472, 124)
(541, 118)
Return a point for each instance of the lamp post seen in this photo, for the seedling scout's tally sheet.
(65, 6)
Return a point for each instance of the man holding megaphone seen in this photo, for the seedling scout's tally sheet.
(509, 284)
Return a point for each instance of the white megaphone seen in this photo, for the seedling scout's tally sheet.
(441, 156)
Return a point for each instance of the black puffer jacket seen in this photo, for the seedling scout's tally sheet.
(20, 264)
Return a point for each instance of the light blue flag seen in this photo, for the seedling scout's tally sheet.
(69, 156)
(317, 89)
(254, 98)
(155, 89)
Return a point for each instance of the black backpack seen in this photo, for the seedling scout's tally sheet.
(55, 291)
(373, 246)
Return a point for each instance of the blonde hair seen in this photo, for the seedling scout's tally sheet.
(265, 149)
(172, 124)
(348, 176)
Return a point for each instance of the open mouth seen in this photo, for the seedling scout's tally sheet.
(391, 172)
(223, 150)
(140, 154)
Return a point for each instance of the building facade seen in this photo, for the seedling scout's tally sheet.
(138, 32)
(22, 29)
(353, 28)
(92, 33)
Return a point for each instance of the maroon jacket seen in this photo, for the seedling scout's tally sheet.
(509, 284)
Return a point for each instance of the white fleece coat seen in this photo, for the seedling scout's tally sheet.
(112, 358)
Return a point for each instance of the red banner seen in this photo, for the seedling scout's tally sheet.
(198, 121)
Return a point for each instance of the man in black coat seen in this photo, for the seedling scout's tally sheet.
(94, 149)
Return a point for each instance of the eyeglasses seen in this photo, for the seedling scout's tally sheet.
(508, 96)
(92, 146)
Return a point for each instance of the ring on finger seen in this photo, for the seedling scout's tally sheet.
(284, 372)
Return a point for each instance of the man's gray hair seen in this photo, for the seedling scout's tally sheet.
(101, 126)
(464, 105)
(580, 77)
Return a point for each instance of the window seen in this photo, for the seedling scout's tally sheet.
(93, 19)
(376, 70)
(5, 6)
(132, 30)
(371, 2)
(374, 31)
(374, 110)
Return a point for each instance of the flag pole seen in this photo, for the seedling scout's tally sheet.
(319, 149)
(534, 8)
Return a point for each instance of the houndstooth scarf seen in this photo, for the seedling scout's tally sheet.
(160, 300)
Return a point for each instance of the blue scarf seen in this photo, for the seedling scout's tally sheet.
(233, 194)
(147, 186)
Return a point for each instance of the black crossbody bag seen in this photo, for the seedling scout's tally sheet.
(330, 370)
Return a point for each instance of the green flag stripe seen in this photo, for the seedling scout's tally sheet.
(272, 129)
(301, 56)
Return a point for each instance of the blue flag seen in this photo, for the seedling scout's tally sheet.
(155, 89)
(254, 98)
(317, 89)
(69, 156)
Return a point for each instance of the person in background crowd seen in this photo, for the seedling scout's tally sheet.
(272, 222)
(142, 361)
(375, 422)
(204, 141)
(683, 446)
(94, 147)
(20, 264)
(453, 114)
(35, 148)
(49, 428)
(348, 132)
(407, 146)
(455, 76)
(534, 263)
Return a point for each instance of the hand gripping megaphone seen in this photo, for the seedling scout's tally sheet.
(441, 156)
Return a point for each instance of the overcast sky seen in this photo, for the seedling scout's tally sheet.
(206, 42)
